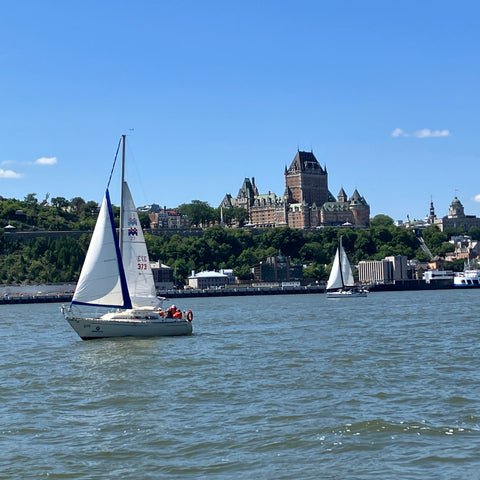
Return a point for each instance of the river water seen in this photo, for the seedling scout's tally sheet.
(270, 387)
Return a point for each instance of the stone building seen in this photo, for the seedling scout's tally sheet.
(456, 218)
(167, 219)
(306, 202)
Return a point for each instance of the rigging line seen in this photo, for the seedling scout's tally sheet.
(114, 162)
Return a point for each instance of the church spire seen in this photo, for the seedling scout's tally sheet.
(432, 216)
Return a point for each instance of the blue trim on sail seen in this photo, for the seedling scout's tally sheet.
(127, 303)
(74, 302)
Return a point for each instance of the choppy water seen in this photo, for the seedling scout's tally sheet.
(274, 387)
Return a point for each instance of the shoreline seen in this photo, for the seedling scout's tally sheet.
(66, 297)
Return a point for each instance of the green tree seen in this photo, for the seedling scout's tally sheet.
(199, 213)
(315, 272)
(435, 239)
(313, 252)
(144, 220)
(243, 272)
(60, 202)
(247, 258)
(90, 209)
(77, 204)
(31, 199)
(234, 216)
(474, 232)
(286, 240)
(381, 221)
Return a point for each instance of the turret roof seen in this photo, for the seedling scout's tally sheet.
(305, 161)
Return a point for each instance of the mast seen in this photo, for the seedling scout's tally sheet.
(120, 236)
(340, 257)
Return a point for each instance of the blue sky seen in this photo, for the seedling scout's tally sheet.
(386, 94)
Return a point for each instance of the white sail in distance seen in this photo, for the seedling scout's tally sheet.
(341, 274)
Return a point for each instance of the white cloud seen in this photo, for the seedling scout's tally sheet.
(427, 133)
(46, 161)
(398, 132)
(9, 174)
(423, 133)
(476, 198)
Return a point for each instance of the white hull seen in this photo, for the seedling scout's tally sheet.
(467, 279)
(90, 328)
(346, 294)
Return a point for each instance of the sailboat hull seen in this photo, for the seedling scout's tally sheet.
(92, 328)
(347, 294)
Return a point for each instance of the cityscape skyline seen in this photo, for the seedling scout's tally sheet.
(384, 95)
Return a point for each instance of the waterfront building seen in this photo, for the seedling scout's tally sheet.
(306, 201)
(209, 279)
(388, 270)
(162, 275)
(277, 269)
(400, 267)
(375, 271)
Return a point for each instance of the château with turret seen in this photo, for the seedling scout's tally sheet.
(306, 201)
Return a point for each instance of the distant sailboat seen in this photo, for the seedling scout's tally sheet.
(116, 275)
(341, 283)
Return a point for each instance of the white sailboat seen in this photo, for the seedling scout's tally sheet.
(341, 283)
(116, 275)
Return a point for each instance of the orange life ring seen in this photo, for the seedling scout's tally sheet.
(189, 315)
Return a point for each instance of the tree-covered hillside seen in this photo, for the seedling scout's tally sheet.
(59, 260)
(44, 259)
(58, 213)
(55, 214)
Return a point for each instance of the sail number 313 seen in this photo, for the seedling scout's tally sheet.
(142, 262)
